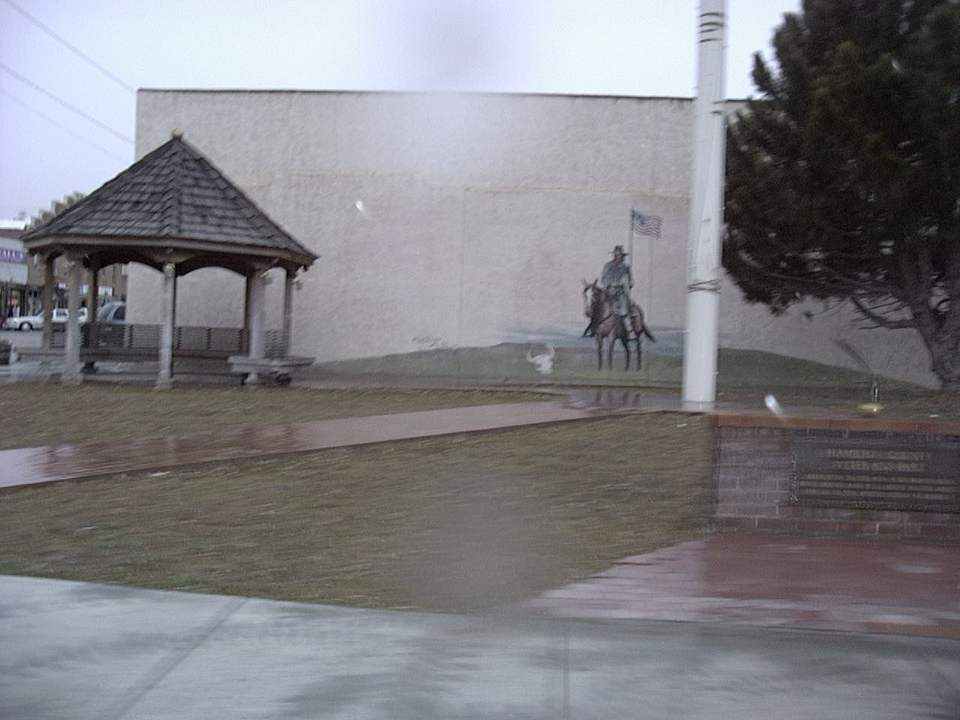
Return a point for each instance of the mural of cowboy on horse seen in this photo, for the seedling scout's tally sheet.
(613, 315)
(617, 280)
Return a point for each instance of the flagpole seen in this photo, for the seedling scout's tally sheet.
(654, 239)
(706, 210)
(651, 226)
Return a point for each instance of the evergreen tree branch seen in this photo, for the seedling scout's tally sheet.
(843, 175)
(879, 320)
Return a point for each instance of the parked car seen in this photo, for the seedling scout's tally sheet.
(112, 312)
(35, 322)
(23, 322)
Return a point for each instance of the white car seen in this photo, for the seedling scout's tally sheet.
(112, 312)
(35, 322)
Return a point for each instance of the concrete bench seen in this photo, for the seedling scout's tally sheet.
(280, 370)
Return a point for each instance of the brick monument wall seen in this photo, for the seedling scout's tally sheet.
(760, 486)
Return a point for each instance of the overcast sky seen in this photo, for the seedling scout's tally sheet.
(621, 47)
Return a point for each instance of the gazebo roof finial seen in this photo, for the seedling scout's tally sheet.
(176, 134)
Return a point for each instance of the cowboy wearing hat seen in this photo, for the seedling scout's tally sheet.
(617, 280)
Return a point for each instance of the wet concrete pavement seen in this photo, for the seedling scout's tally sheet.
(78, 651)
(836, 584)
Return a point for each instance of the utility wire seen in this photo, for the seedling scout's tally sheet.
(61, 101)
(65, 129)
(71, 47)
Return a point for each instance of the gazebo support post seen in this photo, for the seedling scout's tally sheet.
(93, 292)
(257, 294)
(48, 281)
(288, 311)
(165, 375)
(71, 357)
(247, 304)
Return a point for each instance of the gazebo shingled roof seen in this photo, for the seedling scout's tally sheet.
(175, 198)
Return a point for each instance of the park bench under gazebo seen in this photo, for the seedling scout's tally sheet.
(175, 212)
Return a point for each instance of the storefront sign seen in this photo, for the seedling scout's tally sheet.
(9, 255)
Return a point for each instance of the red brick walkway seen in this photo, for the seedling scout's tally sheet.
(778, 581)
(30, 466)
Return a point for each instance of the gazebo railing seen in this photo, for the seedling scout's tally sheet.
(140, 339)
(274, 345)
(134, 338)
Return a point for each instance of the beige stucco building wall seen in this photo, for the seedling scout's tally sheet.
(464, 220)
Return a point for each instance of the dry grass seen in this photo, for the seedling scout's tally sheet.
(447, 523)
(35, 414)
(745, 376)
(898, 400)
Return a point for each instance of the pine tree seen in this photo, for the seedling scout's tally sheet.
(843, 176)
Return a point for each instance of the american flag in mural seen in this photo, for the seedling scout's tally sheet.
(646, 224)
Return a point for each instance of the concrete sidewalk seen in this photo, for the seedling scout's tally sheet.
(78, 651)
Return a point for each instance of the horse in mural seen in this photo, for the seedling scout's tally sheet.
(606, 325)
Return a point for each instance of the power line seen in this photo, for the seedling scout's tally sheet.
(61, 101)
(65, 129)
(73, 48)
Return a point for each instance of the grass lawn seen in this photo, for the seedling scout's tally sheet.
(449, 523)
(35, 414)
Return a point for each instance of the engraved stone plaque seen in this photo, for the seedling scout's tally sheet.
(877, 471)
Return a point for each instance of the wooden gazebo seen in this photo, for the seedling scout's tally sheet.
(174, 211)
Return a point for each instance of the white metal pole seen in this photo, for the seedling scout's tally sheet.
(706, 209)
